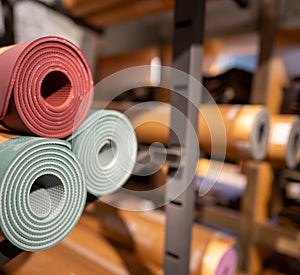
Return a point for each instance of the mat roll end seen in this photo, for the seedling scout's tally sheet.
(42, 192)
(47, 87)
(220, 258)
(284, 141)
(260, 134)
(106, 147)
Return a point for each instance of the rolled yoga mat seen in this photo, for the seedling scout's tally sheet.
(212, 252)
(42, 191)
(229, 184)
(221, 181)
(106, 147)
(284, 140)
(46, 87)
(246, 128)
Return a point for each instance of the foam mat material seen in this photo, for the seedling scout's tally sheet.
(284, 141)
(46, 87)
(106, 147)
(42, 191)
(235, 131)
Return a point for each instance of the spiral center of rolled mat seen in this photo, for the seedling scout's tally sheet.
(107, 153)
(56, 89)
(261, 132)
(45, 196)
(296, 143)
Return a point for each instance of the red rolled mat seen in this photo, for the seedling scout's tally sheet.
(46, 87)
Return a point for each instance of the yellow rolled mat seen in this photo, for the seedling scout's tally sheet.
(204, 165)
(284, 140)
(223, 180)
(246, 128)
(212, 252)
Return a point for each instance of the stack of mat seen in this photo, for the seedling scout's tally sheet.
(46, 94)
(238, 132)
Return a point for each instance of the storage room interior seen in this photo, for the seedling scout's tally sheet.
(150, 137)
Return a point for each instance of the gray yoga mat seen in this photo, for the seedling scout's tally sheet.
(106, 147)
(42, 191)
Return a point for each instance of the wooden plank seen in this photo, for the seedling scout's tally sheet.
(281, 240)
(270, 76)
(132, 10)
(254, 209)
(81, 8)
(112, 64)
(84, 251)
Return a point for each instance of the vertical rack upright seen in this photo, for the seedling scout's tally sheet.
(187, 57)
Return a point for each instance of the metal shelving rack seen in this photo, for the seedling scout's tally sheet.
(8, 251)
(187, 48)
(187, 56)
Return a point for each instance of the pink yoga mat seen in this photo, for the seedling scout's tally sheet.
(46, 87)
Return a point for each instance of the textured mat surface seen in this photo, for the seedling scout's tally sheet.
(235, 131)
(46, 87)
(42, 191)
(106, 147)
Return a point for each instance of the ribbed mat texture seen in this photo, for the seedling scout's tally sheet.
(106, 147)
(46, 87)
(42, 191)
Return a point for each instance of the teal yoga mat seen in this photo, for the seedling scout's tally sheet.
(106, 147)
(42, 191)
